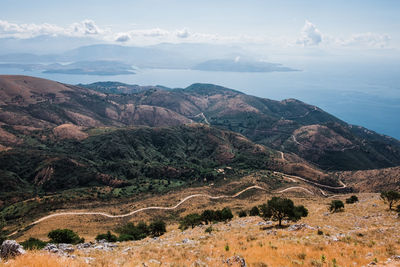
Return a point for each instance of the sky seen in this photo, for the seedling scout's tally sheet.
(318, 24)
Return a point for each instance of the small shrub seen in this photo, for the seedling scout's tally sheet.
(209, 230)
(108, 237)
(302, 256)
(320, 232)
(64, 236)
(226, 247)
(254, 211)
(33, 243)
(242, 214)
(336, 205)
(352, 199)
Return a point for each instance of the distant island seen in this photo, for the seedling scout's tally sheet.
(237, 65)
(99, 67)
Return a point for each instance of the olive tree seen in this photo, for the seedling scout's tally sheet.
(390, 197)
(278, 209)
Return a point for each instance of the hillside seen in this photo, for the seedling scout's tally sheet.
(32, 106)
(289, 125)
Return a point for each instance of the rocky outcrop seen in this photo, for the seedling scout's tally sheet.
(11, 249)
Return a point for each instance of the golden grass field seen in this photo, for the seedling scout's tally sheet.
(364, 232)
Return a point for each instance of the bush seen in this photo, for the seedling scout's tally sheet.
(336, 205)
(320, 232)
(192, 220)
(131, 232)
(242, 214)
(157, 228)
(352, 199)
(33, 243)
(208, 230)
(226, 214)
(254, 211)
(64, 236)
(108, 237)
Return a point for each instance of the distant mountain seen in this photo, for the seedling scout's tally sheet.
(167, 56)
(240, 66)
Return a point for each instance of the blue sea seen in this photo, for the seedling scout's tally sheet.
(366, 94)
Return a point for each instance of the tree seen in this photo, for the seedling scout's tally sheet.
(130, 231)
(352, 199)
(208, 216)
(108, 237)
(278, 208)
(254, 211)
(390, 197)
(157, 228)
(226, 214)
(336, 205)
(242, 214)
(64, 236)
(192, 220)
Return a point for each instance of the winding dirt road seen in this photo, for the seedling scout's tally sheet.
(186, 199)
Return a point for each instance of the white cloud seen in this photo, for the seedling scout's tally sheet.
(368, 39)
(184, 33)
(86, 27)
(310, 35)
(122, 37)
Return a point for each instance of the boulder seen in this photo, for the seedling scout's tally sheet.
(235, 260)
(11, 249)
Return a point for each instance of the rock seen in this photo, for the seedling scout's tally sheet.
(155, 261)
(264, 223)
(296, 227)
(11, 249)
(199, 263)
(396, 257)
(235, 259)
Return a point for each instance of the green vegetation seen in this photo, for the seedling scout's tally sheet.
(2, 233)
(64, 236)
(255, 211)
(351, 200)
(391, 198)
(207, 216)
(242, 213)
(33, 244)
(130, 231)
(157, 228)
(108, 237)
(336, 205)
(129, 160)
(278, 209)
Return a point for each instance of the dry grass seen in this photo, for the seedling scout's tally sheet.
(365, 231)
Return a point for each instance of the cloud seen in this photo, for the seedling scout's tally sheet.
(184, 33)
(310, 35)
(122, 37)
(86, 27)
(368, 39)
(23, 31)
